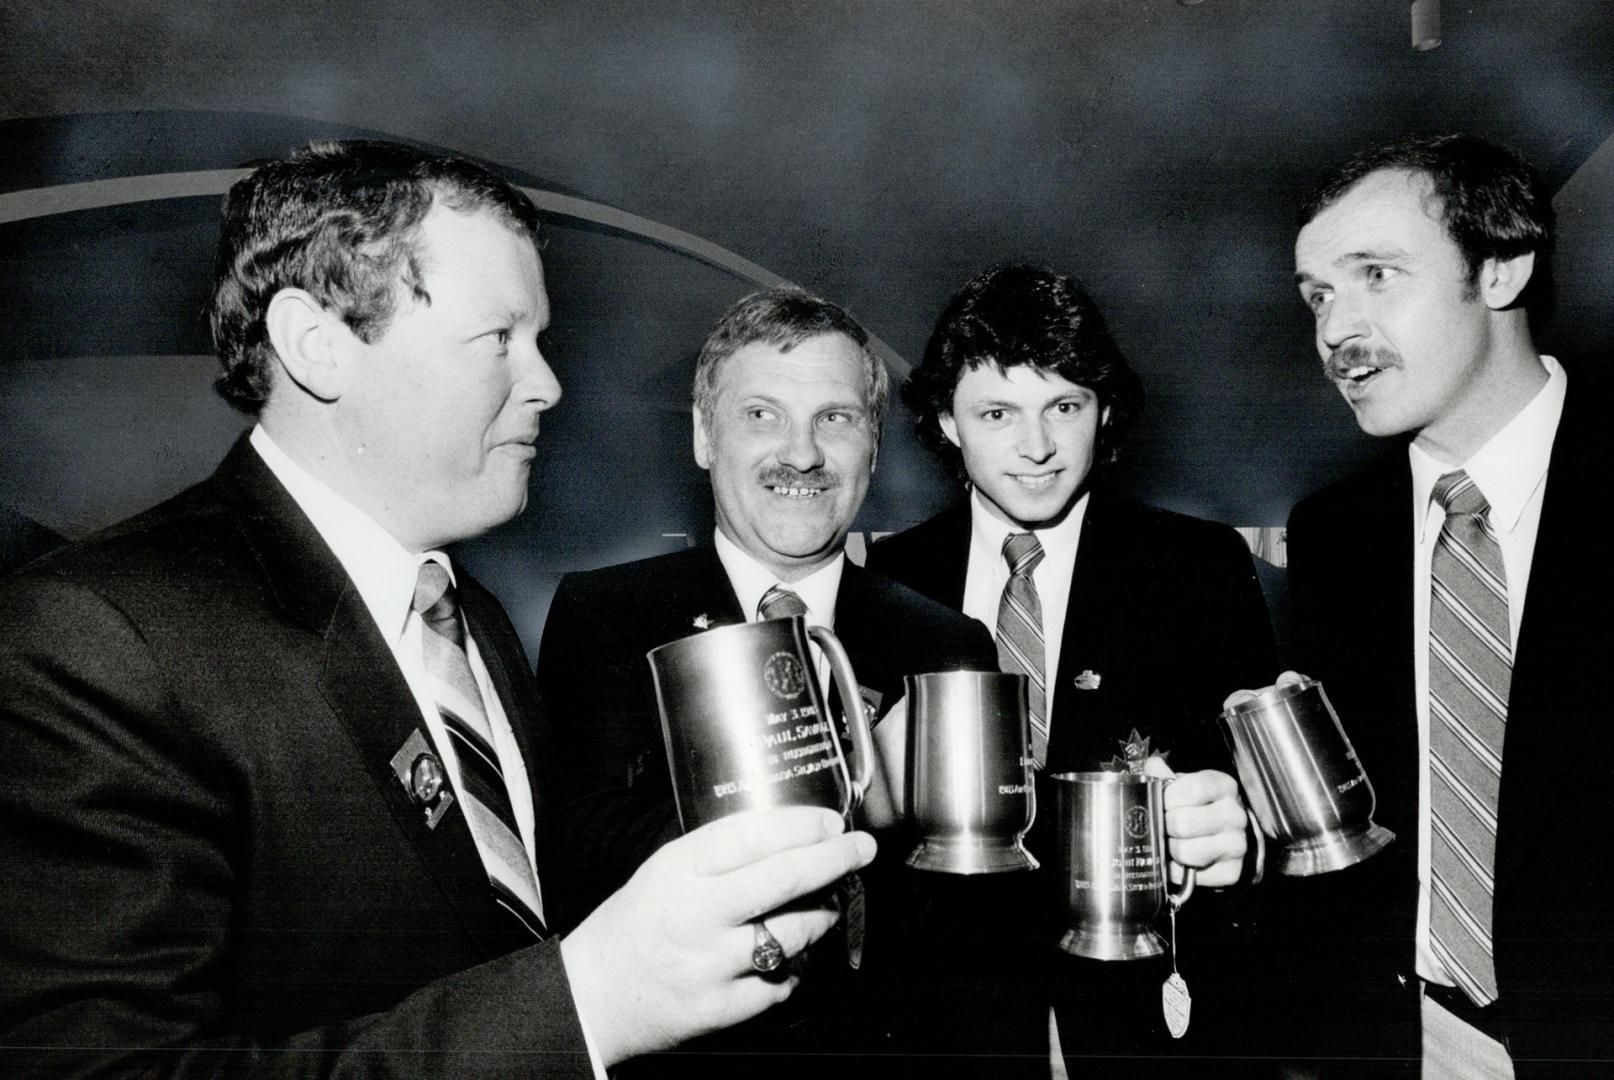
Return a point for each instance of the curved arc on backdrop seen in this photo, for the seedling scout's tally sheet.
(99, 194)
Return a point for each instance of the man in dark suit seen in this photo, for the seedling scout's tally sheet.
(1142, 619)
(1478, 945)
(787, 404)
(278, 798)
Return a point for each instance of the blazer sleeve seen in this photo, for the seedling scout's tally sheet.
(125, 857)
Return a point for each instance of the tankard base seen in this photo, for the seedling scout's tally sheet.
(1333, 850)
(970, 857)
(1112, 942)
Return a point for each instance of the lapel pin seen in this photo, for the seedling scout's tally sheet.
(423, 777)
(703, 621)
(1087, 680)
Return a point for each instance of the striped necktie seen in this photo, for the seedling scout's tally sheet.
(1020, 646)
(1470, 672)
(779, 603)
(483, 791)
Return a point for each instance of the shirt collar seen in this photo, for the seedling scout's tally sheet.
(381, 569)
(751, 580)
(1058, 542)
(1510, 466)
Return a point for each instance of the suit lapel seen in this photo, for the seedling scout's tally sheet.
(1379, 617)
(1555, 693)
(946, 564)
(857, 627)
(1101, 564)
(359, 678)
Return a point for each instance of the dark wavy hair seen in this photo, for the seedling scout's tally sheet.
(1492, 203)
(1023, 315)
(784, 318)
(342, 221)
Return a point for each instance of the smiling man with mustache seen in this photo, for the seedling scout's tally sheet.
(788, 398)
(1478, 944)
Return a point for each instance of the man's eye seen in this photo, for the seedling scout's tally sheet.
(993, 415)
(1317, 299)
(1068, 408)
(759, 413)
(1378, 275)
(502, 337)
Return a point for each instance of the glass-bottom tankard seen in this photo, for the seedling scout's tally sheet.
(1110, 863)
(969, 781)
(1306, 786)
(746, 726)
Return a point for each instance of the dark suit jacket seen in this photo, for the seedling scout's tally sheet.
(1166, 617)
(210, 867)
(619, 807)
(1350, 563)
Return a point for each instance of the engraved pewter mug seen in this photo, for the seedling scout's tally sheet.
(1305, 785)
(746, 725)
(969, 778)
(1111, 863)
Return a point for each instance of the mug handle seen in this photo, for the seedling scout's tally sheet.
(857, 722)
(1180, 897)
(1190, 876)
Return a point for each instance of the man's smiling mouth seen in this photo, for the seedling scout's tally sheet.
(796, 492)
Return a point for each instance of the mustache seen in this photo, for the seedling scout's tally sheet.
(785, 476)
(1355, 354)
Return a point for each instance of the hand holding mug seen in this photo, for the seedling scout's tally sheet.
(672, 954)
(1205, 824)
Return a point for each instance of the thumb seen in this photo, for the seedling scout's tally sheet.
(1156, 766)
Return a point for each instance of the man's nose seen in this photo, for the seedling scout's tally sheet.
(1341, 320)
(1035, 444)
(536, 383)
(801, 450)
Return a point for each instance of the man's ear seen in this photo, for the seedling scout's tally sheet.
(309, 342)
(1502, 280)
(949, 427)
(703, 440)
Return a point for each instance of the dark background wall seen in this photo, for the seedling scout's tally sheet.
(877, 152)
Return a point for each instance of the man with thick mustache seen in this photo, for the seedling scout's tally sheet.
(788, 398)
(1478, 945)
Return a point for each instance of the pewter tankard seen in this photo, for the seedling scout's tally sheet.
(1111, 863)
(969, 782)
(1305, 784)
(746, 726)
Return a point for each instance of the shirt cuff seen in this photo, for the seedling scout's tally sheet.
(595, 1062)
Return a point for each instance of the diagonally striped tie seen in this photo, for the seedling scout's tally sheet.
(459, 703)
(1470, 672)
(1020, 646)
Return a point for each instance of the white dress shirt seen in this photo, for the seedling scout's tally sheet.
(1511, 472)
(988, 575)
(751, 581)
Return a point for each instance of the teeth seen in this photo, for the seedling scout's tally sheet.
(1036, 482)
(796, 492)
(1361, 371)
